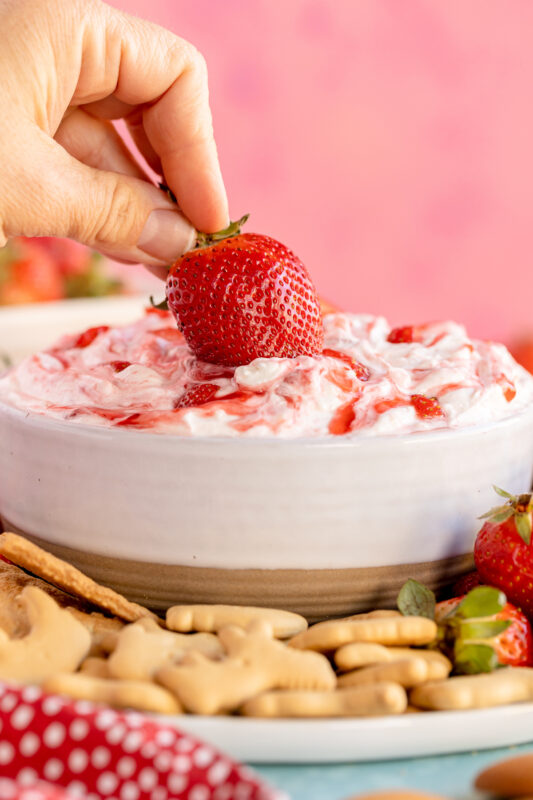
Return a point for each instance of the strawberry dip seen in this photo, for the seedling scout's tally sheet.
(369, 380)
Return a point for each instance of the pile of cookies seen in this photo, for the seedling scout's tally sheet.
(63, 631)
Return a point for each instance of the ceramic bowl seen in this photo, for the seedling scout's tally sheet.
(321, 526)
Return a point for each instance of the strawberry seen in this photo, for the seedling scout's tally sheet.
(503, 551)
(87, 337)
(402, 335)
(28, 274)
(514, 645)
(407, 334)
(70, 258)
(197, 395)
(119, 366)
(240, 296)
(466, 583)
(362, 372)
(426, 407)
(479, 631)
(522, 351)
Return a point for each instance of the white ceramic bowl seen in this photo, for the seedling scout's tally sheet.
(322, 526)
(318, 525)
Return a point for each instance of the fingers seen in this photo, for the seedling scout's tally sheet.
(134, 121)
(179, 128)
(140, 64)
(53, 194)
(97, 144)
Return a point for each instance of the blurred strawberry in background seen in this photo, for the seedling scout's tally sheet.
(522, 351)
(42, 269)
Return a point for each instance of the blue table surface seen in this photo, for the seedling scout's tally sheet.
(451, 776)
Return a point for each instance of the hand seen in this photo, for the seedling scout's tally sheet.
(67, 67)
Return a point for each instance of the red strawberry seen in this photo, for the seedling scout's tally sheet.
(503, 551)
(197, 395)
(402, 335)
(426, 407)
(407, 334)
(29, 275)
(70, 258)
(522, 351)
(119, 366)
(514, 646)
(362, 372)
(87, 337)
(237, 297)
(466, 584)
(478, 632)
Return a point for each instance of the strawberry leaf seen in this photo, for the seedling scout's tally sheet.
(471, 659)
(483, 601)
(523, 526)
(483, 629)
(503, 493)
(416, 600)
(496, 510)
(502, 516)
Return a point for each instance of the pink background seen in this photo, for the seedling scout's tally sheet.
(388, 143)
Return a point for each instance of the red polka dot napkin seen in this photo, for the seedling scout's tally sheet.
(55, 749)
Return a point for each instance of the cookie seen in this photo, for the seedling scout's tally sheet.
(358, 701)
(211, 618)
(255, 662)
(13, 616)
(507, 685)
(364, 654)
(394, 631)
(408, 672)
(512, 777)
(61, 574)
(56, 642)
(138, 695)
(143, 648)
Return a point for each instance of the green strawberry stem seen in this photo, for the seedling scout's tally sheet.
(233, 229)
(206, 239)
(519, 507)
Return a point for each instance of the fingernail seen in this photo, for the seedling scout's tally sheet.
(166, 235)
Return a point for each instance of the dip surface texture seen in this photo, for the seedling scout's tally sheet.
(143, 376)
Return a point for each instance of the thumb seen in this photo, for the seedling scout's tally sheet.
(123, 216)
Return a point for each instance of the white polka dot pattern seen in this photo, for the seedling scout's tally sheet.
(54, 749)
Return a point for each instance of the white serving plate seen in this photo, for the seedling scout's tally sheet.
(260, 741)
(330, 741)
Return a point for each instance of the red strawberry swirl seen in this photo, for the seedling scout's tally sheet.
(144, 377)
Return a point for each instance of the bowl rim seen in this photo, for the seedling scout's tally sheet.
(330, 441)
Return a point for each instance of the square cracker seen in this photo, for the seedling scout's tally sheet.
(34, 559)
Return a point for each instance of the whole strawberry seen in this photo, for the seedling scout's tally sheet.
(503, 552)
(512, 646)
(240, 296)
(478, 632)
